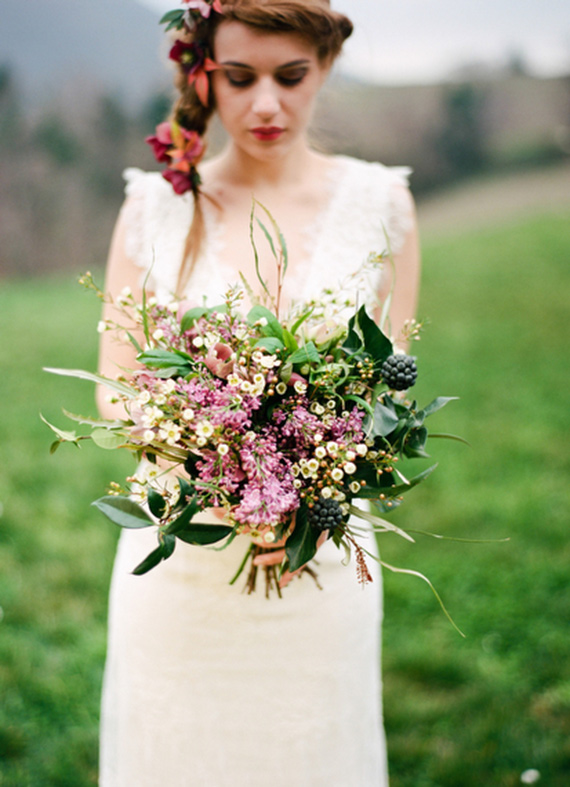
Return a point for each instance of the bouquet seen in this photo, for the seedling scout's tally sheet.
(282, 425)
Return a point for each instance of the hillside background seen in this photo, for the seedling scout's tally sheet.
(78, 95)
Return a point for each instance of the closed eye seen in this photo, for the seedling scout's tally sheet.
(239, 77)
(291, 77)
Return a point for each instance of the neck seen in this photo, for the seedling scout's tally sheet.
(253, 173)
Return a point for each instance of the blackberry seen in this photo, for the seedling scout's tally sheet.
(326, 514)
(399, 372)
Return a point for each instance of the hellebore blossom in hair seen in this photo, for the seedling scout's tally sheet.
(204, 7)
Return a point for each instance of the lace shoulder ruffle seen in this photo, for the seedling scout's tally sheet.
(156, 222)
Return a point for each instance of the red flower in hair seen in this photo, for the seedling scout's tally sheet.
(195, 64)
(204, 7)
(161, 143)
(181, 150)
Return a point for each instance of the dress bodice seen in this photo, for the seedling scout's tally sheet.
(366, 212)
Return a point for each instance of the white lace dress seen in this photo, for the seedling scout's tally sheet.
(206, 686)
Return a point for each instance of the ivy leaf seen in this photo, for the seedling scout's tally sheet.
(123, 511)
(301, 545)
(203, 535)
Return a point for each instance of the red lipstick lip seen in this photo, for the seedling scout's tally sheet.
(267, 133)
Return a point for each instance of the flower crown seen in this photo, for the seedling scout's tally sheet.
(180, 148)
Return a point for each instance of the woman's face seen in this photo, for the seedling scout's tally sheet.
(265, 88)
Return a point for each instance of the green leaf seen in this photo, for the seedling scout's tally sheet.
(134, 342)
(203, 535)
(278, 233)
(305, 316)
(156, 503)
(254, 247)
(378, 523)
(63, 436)
(95, 422)
(414, 446)
(268, 237)
(273, 326)
(181, 523)
(385, 420)
(94, 378)
(108, 439)
(375, 342)
(301, 546)
(371, 493)
(123, 511)
(286, 371)
(171, 16)
(434, 591)
(168, 544)
(362, 403)
(445, 436)
(353, 342)
(162, 359)
(437, 404)
(307, 353)
(150, 561)
(191, 316)
(186, 490)
(270, 343)
(290, 341)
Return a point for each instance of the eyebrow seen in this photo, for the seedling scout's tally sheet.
(236, 64)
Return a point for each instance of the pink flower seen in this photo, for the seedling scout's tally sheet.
(218, 360)
(181, 183)
(204, 7)
(161, 142)
(181, 150)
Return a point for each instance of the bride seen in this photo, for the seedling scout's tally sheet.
(204, 685)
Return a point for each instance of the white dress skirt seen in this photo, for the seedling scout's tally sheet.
(205, 685)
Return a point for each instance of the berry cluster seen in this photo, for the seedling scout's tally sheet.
(399, 372)
(326, 514)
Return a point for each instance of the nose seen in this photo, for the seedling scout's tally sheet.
(266, 102)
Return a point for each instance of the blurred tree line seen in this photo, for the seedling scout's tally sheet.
(60, 177)
(60, 167)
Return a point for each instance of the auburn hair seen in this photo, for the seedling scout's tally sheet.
(314, 20)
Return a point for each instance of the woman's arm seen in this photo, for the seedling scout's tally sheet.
(406, 270)
(114, 355)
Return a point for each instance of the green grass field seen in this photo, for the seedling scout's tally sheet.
(459, 712)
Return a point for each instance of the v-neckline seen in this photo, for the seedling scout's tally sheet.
(294, 283)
